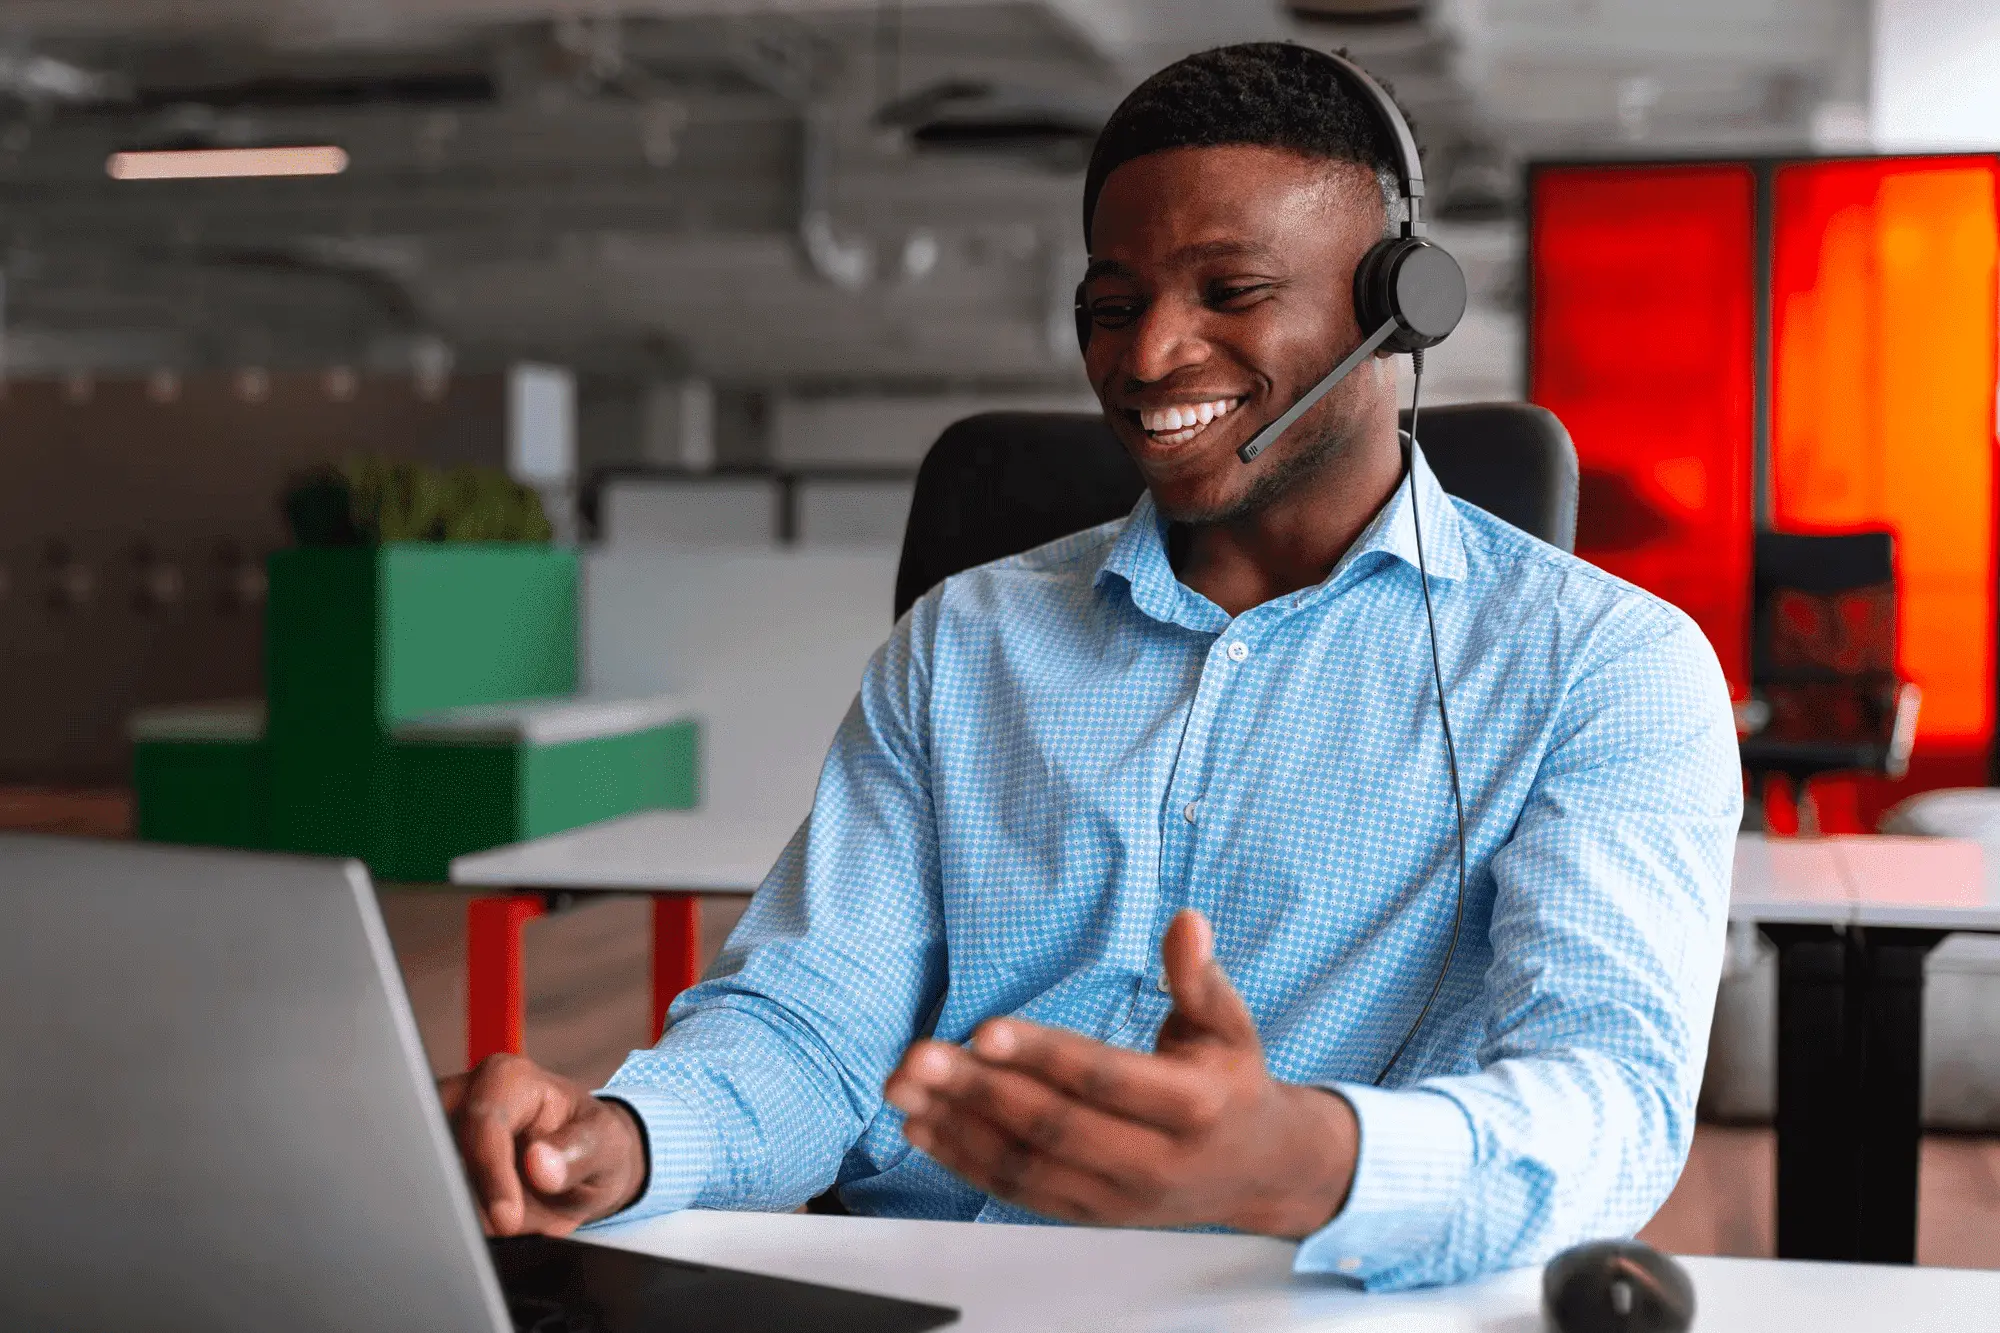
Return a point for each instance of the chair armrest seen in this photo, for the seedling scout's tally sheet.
(1903, 730)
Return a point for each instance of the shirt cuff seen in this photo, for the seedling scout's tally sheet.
(1410, 1175)
(680, 1152)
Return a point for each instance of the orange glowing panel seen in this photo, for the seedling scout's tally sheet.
(1882, 408)
(1642, 339)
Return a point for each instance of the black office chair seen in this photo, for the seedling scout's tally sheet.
(1001, 483)
(1825, 696)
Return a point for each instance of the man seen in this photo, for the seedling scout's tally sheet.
(1135, 859)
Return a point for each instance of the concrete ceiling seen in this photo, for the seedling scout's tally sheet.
(624, 186)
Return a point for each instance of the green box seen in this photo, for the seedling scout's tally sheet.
(209, 793)
(392, 733)
(449, 799)
(360, 638)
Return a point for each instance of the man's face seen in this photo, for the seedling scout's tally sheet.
(1221, 288)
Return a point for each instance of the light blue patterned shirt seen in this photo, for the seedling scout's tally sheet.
(1055, 753)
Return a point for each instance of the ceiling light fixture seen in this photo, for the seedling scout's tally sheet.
(219, 163)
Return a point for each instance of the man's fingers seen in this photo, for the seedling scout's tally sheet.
(1147, 1088)
(1205, 1003)
(451, 1091)
(990, 1159)
(1049, 1121)
(503, 1097)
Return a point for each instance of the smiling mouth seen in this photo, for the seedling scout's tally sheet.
(1182, 423)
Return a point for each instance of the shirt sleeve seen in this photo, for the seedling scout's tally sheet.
(1611, 902)
(773, 1065)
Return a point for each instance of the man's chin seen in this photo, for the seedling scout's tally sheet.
(1199, 505)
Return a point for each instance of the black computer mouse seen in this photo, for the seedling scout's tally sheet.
(1616, 1286)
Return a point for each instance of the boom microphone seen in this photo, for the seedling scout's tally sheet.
(1264, 438)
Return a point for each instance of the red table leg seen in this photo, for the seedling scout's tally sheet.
(494, 1003)
(676, 951)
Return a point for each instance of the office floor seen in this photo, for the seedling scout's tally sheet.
(587, 1006)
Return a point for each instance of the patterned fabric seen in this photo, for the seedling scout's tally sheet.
(1055, 753)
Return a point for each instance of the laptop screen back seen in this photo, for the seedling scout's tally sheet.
(215, 1109)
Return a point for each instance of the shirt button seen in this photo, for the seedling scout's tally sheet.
(1166, 987)
(1192, 812)
(1350, 1265)
(1238, 651)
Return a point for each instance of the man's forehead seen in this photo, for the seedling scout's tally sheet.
(1196, 205)
(1243, 192)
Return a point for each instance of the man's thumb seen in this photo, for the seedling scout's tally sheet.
(555, 1164)
(1204, 1001)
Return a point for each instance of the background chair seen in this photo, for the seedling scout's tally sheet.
(1005, 482)
(1825, 694)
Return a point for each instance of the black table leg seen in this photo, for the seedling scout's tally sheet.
(1819, 1198)
(1850, 1090)
(1887, 968)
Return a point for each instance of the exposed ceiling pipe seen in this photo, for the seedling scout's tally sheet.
(848, 262)
(44, 80)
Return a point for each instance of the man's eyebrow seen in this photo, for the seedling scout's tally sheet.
(1207, 250)
(1198, 253)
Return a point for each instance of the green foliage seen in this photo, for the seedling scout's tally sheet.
(370, 500)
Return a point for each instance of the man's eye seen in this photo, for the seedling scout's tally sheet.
(1236, 294)
(1113, 314)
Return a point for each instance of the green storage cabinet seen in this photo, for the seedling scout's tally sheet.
(453, 797)
(358, 639)
(419, 708)
(202, 774)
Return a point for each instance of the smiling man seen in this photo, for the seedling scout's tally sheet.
(1134, 861)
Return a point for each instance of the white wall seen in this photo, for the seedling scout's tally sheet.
(689, 511)
(852, 513)
(888, 432)
(1935, 75)
(767, 645)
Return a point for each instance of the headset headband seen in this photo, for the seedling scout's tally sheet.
(1391, 116)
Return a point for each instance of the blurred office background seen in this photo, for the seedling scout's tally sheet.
(769, 249)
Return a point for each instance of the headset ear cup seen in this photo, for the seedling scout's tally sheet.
(1416, 284)
(1373, 297)
(1083, 321)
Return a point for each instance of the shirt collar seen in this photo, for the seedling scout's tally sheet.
(1139, 555)
(1393, 530)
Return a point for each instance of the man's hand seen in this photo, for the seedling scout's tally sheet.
(543, 1154)
(1198, 1132)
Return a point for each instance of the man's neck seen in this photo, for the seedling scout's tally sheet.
(1293, 542)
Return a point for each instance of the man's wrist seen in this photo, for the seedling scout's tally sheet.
(634, 1151)
(1311, 1169)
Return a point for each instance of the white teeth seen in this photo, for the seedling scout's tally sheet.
(1177, 425)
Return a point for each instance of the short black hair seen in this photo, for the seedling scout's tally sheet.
(1268, 94)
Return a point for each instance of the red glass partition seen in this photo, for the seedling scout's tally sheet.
(1882, 408)
(1642, 340)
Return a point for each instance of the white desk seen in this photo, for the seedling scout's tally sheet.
(1788, 880)
(676, 856)
(1865, 880)
(655, 851)
(1027, 1279)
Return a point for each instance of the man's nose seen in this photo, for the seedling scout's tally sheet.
(1168, 337)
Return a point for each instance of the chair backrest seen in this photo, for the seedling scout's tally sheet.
(1825, 607)
(1005, 482)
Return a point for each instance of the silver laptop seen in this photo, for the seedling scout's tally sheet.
(215, 1114)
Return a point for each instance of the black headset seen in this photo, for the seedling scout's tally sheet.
(1408, 292)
